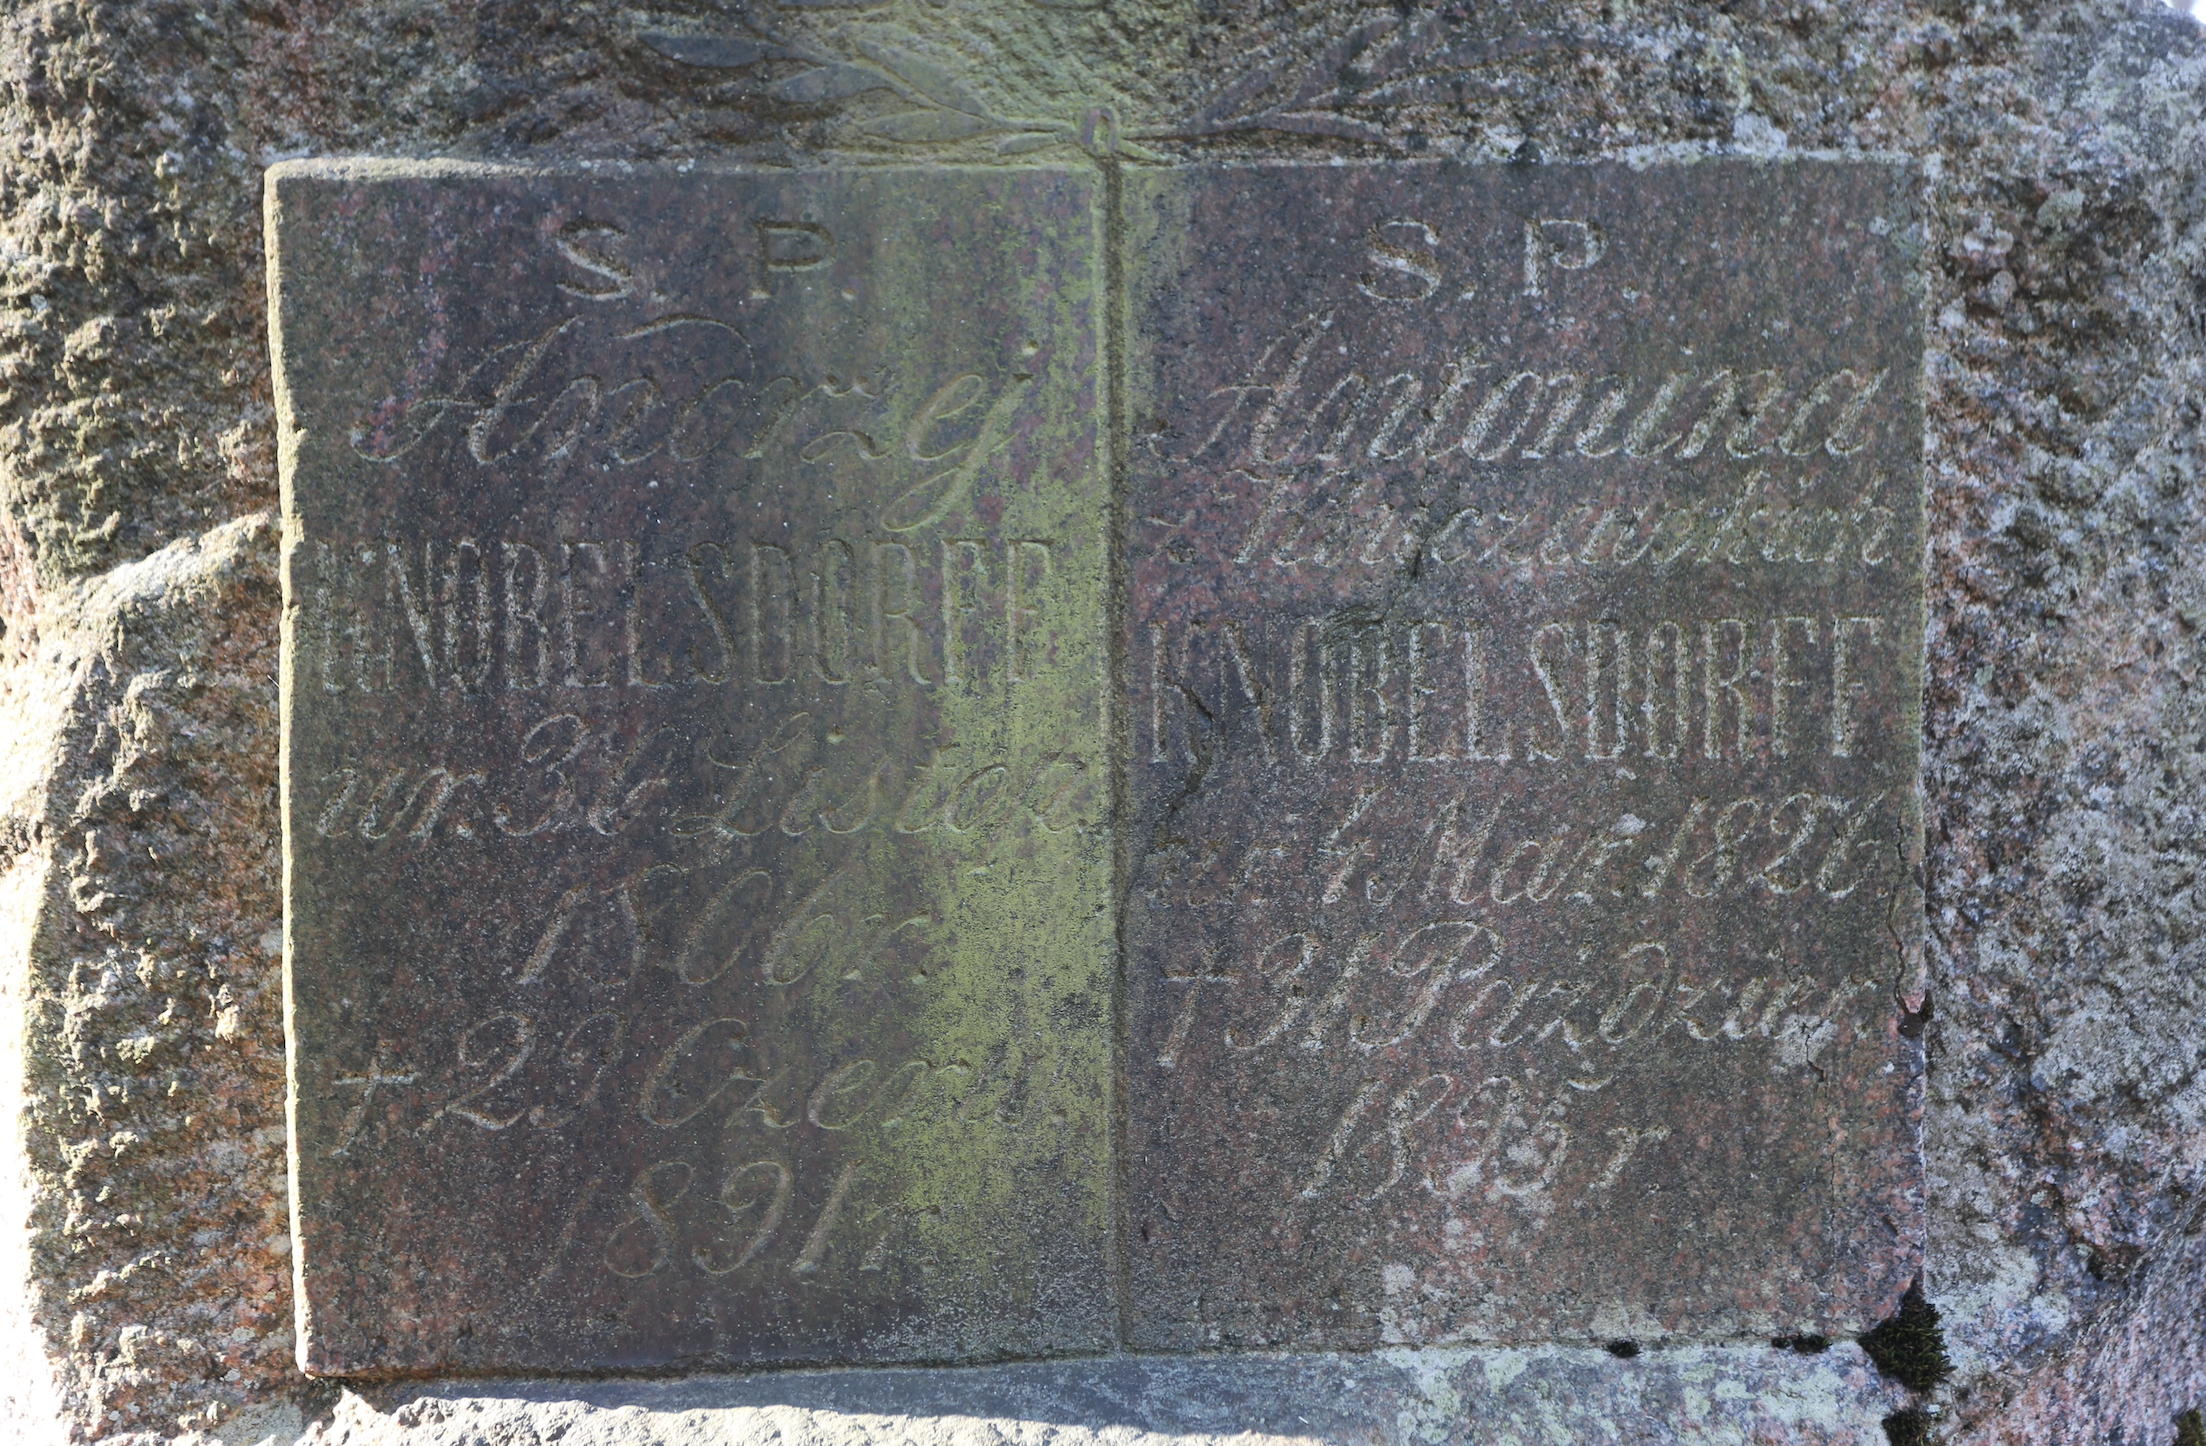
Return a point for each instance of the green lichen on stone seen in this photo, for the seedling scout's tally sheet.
(2065, 250)
(860, 906)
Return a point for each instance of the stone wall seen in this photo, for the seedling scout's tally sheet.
(2063, 148)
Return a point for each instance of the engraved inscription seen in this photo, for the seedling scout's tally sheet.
(1428, 690)
(695, 767)
(464, 615)
(1525, 640)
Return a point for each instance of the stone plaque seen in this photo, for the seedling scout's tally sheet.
(695, 764)
(1525, 646)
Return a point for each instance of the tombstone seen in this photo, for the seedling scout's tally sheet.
(695, 765)
(1526, 579)
(893, 720)
(1521, 671)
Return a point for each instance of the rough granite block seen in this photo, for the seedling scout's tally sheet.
(1694, 1396)
(2060, 232)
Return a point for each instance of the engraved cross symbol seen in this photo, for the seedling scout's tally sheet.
(377, 1076)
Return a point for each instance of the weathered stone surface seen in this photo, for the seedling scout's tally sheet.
(696, 872)
(1492, 1398)
(2135, 1372)
(131, 692)
(1526, 604)
(2061, 152)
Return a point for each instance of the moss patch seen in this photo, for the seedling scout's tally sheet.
(1910, 1347)
(1907, 1428)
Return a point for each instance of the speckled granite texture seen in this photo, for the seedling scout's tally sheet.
(1494, 1398)
(147, 1286)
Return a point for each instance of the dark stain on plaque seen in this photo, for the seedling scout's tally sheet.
(697, 873)
(1524, 655)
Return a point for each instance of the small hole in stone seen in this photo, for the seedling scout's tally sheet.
(1805, 1345)
(1622, 1350)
